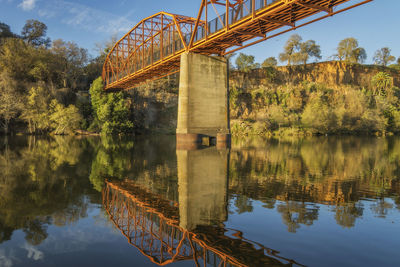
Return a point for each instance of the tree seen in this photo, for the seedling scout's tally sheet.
(71, 61)
(269, 62)
(290, 49)
(64, 119)
(5, 31)
(111, 110)
(381, 82)
(348, 50)
(10, 101)
(245, 62)
(383, 56)
(398, 61)
(310, 49)
(296, 51)
(36, 112)
(15, 58)
(34, 33)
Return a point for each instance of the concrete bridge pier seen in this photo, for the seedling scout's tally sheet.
(203, 109)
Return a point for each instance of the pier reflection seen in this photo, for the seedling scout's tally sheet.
(191, 228)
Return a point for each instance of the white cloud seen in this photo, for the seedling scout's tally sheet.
(85, 17)
(5, 260)
(27, 5)
(33, 253)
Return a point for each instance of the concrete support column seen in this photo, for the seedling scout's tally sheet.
(203, 109)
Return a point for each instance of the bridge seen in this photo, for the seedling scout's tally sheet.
(166, 43)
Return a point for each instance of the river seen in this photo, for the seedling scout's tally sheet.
(91, 201)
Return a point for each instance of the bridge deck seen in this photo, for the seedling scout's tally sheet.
(153, 47)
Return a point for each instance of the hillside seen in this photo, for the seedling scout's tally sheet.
(319, 98)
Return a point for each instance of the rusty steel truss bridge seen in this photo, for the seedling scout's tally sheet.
(152, 48)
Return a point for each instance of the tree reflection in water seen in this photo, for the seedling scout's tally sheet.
(52, 181)
(330, 171)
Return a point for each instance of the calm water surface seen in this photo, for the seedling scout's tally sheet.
(140, 202)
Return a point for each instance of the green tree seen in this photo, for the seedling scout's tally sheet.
(64, 120)
(348, 50)
(5, 31)
(34, 33)
(310, 49)
(381, 83)
(111, 110)
(319, 115)
(296, 51)
(291, 49)
(269, 62)
(10, 101)
(15, 58)
(71, 61)
(383, 56)
(245, 62)
(37, 112)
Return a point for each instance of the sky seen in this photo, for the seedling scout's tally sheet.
(374, 25)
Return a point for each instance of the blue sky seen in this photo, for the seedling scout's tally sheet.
(375, 25)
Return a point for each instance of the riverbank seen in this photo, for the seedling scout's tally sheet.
(333, 98)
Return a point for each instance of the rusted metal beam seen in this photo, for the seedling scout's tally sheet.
(314, 6)
(277, 21)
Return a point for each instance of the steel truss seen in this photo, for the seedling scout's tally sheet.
(152, 49)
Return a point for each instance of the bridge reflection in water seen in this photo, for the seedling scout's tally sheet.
(168, 231)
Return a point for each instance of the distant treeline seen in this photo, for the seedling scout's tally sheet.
(296, 52)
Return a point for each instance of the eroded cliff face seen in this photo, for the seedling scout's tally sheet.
(331, 74)
(155, 104)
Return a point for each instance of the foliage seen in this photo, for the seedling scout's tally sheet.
(44, 114)
(72, 60)
(111, 110)
(383, 56)
(310, 108)
(36, 112)
(381, 82)
(309, 49)
(348, 50)
(296, 51)
(10, 101)
(5, 31)
(34, 33)
(245, 62)
(32, 75)
(269, 62)
(64, 119)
